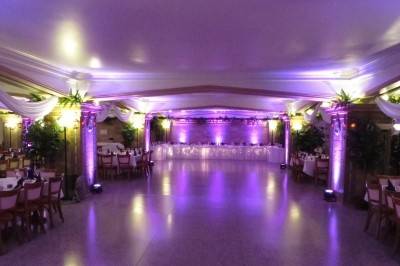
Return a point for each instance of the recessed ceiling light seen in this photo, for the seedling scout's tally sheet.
(95, 62)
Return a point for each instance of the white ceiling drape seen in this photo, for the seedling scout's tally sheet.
(110, 110)
(390, 109)
(33, 110)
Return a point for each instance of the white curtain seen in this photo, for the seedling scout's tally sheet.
(326, 117)
(33, 110)
(390, 109)
(110, 110)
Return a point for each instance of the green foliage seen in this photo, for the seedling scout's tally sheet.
(73, 99)
(395, 154)
(35, 97)
(343, 98)
(365, 146)
(156, 129)
(280, 132)
(128, 134)
(45, 139)
(308, 139)
(394, 98)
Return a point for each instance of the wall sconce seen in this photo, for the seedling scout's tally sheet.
(138, 121)
(166, 123)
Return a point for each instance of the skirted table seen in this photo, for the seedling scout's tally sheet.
(272, 154)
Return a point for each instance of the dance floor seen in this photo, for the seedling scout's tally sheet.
(207, 213)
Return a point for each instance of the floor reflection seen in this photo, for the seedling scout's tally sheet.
(206, 213)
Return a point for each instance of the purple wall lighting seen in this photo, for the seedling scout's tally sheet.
(88, 142)
(338, 135)
(219, 131)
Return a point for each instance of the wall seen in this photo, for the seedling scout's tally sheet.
(112, 128)
(221, 131)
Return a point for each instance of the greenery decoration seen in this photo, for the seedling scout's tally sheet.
(35, 97)
(45, 139)
(73, 99)
(394, 98)
(308, 139)
(343, 98)
(128, 134)
(365, 145)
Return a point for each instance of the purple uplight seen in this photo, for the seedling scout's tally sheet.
(218, 140)
(182, 137)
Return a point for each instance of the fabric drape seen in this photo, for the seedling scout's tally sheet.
(33, 110)
(390, 109)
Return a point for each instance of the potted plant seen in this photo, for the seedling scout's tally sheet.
(128, 134)
(45, 140)
(308, 139)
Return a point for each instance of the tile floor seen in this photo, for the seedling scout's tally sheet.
(207, 213)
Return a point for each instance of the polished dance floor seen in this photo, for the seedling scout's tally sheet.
(207, 213)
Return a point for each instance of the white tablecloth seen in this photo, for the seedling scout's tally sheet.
(309, 167)
(133, 160)
(8, 183)
(111, 146)
(263, 153)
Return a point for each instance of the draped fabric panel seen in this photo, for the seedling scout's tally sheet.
(113, 111)
(390, 109)
(33, 110)
(326, 117)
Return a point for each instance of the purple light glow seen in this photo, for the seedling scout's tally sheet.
(218, 140)
(182, 137)
(338, 135)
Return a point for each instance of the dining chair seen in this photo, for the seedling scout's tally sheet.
(107, 166)
(396, 206)
(321, 170)
(297, 168)
(30, 207)
(3, 167)
(124, 164)
(26, 162)
(375, 205)
(51, 198)
(13, 164)
(8, 202)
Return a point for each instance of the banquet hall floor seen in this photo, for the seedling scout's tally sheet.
(207, 213)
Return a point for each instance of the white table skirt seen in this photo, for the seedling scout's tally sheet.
(226, 152)
(309, 167)
(110, 146)
(133, 161)
(8, 183)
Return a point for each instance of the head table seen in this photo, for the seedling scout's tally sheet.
(272, 154)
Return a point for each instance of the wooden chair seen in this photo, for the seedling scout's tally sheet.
(124, 164)
(31, 206)
(321, 170)
(143, 164)
(107, 165)
(13, 164)
(8, 202)
(51, 198)
(396, 206)
(375, 206)
(3, 167)
(26, 162)
(297, 168)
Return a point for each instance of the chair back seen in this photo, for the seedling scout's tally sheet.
(322, 163)
(26, 162)
(54, 188)
(32, 191)
(3, 165)
(8, 200)
(396, 205)
(374, 192)
(13, 164)
(388, 197)
(106, 160)
(48, 173)
(123, 159)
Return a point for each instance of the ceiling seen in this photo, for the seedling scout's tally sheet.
(171, 55)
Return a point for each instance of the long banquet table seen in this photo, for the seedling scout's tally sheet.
(272, 154)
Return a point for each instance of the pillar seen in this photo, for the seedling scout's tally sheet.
(26, 124)
(147, 133)
(89, 142)
(337, 150)
(286, 121)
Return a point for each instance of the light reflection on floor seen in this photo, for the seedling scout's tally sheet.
(206, 213)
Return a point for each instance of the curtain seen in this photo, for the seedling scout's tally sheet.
(390, 109)
(33, 110)
(110, 110)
